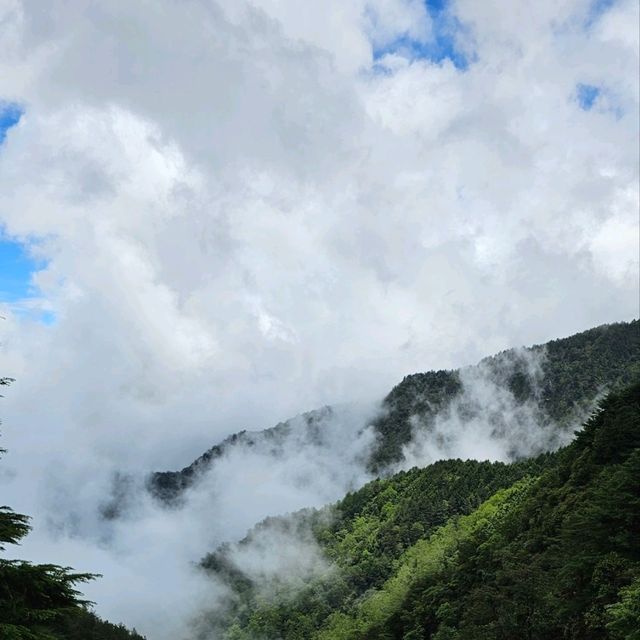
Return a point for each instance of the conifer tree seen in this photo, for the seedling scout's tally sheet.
(33, 597)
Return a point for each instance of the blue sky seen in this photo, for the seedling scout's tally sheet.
(442, 46)
(10, 115)
(446, 41)
(15, 270)
(16, 266)
(587, 94)
(598, 7)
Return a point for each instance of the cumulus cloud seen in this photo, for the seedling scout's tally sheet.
(246, 210)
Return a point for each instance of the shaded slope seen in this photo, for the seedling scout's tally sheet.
(557, 556)
(561, 378)
(168, 485)
(562, 562)
(363, 538)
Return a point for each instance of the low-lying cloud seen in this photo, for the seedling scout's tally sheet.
(243, 214)
(486, 421)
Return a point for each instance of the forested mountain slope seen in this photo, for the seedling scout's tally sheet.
(541, 549)
(559, 381)
(168, 485)
(85, 625)
(561, 378)
(363, 537)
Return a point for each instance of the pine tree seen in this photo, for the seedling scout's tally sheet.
(33, 597)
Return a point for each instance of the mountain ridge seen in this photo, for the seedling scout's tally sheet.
(574, 370)
(552, 553)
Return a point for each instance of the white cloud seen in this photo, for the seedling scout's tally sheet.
(243, 218)
(485, 421)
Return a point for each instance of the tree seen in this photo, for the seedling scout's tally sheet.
(33, 597)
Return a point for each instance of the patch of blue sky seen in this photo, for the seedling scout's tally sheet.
(16, 268)
(591, 97)
(586, 95)
(17, 265)
(10, 115)
(17, 290)
(436, 6)
(47, 317)
(596, 9)
(442, 44)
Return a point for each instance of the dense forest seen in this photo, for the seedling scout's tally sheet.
(562, 379)
(540, 549)
(544, 547)
(42, 601)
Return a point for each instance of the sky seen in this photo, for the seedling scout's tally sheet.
(217, 214)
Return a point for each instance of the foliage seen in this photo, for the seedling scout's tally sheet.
(420, 394)
(34, 597)
(623, 617)
(558, 563)
(85, 625)
(364, 537)
(574, 371)
(541, 549)
(41, 601)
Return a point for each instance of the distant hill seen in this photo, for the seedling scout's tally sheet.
(168, 485)
(544, 549)
(561, 380)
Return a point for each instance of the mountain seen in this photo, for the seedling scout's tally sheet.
(562, 377)
(554, 385)
(168, 485)
(542, 549)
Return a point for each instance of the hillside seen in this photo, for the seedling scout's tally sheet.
(562, 378)
(544, 546)
(557, 382)
(539, 549)
(363, 537)
(168, 485)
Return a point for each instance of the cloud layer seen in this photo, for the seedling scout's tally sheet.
(246, 210)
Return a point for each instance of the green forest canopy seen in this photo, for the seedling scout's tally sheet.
(543, 549)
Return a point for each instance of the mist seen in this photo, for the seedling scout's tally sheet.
(486, 421)
(237, 212)
(102, 517)
(96, 517)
